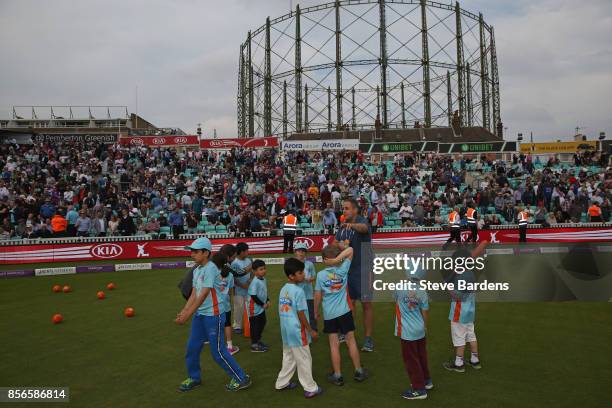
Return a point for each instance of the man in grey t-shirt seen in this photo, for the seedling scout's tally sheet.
(356, 232)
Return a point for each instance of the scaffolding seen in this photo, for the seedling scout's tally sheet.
(342, 64)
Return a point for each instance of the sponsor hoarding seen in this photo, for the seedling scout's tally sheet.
(109, 138)
(252, 142)
(160, 141)
(558, 147)
(67, 270)
(25, 254)
(317, 145)
(404, 147)
(475, 148)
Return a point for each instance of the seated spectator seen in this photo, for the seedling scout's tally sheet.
(405, 212)
(126, 225)
(191, 222)
(152, 226)
(113, 226)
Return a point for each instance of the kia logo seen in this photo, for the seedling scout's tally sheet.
(309, 242)
(106, 251)
(137, 141)
(180, 140)
(159, 141)
(216, 143)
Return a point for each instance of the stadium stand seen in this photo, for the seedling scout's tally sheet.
(109, 190)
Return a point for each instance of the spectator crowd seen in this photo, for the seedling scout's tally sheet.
(73, 189)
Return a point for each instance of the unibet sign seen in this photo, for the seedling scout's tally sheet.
(480, 147)
(400, 147)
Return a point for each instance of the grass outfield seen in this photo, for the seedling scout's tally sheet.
(533, 354)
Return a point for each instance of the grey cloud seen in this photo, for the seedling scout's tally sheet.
(554, 58)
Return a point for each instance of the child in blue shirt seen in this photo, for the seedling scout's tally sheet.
(463, 313)
(207, 306)
(241, 267)
(411, 315)
(230, 253)
(310, 275)
(331, 290)
(257, 303)
(296, 332)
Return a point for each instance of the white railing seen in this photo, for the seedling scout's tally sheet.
(75, 240)
(279, 233)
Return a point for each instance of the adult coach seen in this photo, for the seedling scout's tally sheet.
(356, 232)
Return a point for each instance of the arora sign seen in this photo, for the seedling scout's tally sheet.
(318, 145)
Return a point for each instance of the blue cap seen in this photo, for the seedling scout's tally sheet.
(300, 245)
(200, 243)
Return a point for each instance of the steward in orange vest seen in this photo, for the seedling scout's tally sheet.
(472, 220)
(454, 222)
(289, 230)
(595, 213)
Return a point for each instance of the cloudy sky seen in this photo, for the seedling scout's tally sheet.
(555, 59)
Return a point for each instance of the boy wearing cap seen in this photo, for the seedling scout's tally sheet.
(310, 275)
(208, 309)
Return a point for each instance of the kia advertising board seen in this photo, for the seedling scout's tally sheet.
(161, 141)
(252, 142)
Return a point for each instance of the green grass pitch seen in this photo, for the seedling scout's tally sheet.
(533, 354)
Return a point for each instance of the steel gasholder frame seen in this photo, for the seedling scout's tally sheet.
(405, 60)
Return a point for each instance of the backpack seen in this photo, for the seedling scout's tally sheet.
(186, 284)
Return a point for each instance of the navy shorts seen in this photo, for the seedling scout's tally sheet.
(228, 319)
(341, 324)
(360, 289)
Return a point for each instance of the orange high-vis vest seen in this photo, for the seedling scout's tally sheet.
(470, 215)
(594, 211)
(58, 224)
(289, 223)
(453, 219)
(523, 216)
